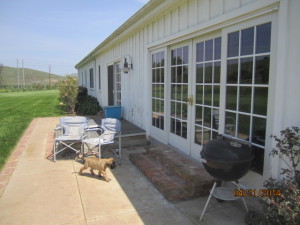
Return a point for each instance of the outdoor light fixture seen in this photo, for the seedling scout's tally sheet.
(127, 66)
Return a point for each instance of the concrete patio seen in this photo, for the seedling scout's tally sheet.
(35, 190)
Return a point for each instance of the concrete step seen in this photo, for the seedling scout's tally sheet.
(177, 177)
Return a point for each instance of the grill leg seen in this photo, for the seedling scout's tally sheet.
(243, 199)
(209, 197)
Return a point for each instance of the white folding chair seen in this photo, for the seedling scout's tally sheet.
(96, 137)
(68, 133)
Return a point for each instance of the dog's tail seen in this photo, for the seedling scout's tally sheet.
(80, 159)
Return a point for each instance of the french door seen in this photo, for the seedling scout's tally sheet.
(195, 93)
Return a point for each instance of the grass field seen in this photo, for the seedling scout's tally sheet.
(17, 109)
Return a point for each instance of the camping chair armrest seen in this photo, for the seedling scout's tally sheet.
(87, 132)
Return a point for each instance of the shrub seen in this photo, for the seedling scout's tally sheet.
(82, 92)
(68, 90)
(87, 105)
(285, 209)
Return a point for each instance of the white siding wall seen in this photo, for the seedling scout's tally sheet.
(179, 18)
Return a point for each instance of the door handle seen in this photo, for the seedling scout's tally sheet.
(190, 100)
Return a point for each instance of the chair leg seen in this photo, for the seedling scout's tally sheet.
(99, 149)
(120, 150)
(54, 151)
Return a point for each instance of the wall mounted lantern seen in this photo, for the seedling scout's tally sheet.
(127, 66)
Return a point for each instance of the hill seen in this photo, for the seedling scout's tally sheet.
(9, 76)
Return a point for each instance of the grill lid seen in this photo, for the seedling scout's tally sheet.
(226, 151)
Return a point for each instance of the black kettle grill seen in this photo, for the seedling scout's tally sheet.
(226, 159)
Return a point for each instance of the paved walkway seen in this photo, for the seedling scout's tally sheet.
(35, 190)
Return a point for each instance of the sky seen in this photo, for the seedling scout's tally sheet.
(58, 33)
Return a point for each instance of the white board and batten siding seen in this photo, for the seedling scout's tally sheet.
(172, 22)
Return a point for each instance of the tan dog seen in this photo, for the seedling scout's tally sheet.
(98, 164)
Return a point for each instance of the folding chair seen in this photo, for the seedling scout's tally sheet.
(103, 135)
(68, 133)
(114, 125)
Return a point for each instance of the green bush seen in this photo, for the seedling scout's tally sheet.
(285, 209)
(87, 105)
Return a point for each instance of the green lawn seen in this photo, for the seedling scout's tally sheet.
(17, 109)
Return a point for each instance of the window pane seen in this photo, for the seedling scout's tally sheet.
(247, 41)
(173, 108)
(153, 61)
(209, 50)
(246, 70)
(233, 44)
(178, 92)
(216, 119)
(162, 91)
(207, 117)
(217, 72)
(185, 53)
(157, 77)
(178, 127)
(184, 129)
(258, 130)
(198, 135)
(217, 48)
(206, 136)
(162, 120)
(184, 111)
(243, 127)
(262, 64)
(208, 73)
(173, 91)
(258, 161)
(179, 56)
(260, 101)
(207, 95)
(173, 126)
(199, 94)
(199, 75)
(162, 58)
(185, 74)
(232, 71)
(263, 38)
(198, 115)
(173, 75)
(200, 52)
(154, 105)
(231, 98)
(153, 76)
(158, 59)
(162, 75)
(230, 123)
(216, 95)
(245, 99)
(173, 57)
(179, 74)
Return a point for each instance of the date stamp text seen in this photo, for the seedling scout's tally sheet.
(262, 193)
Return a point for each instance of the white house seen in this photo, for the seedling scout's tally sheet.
(203, 67)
